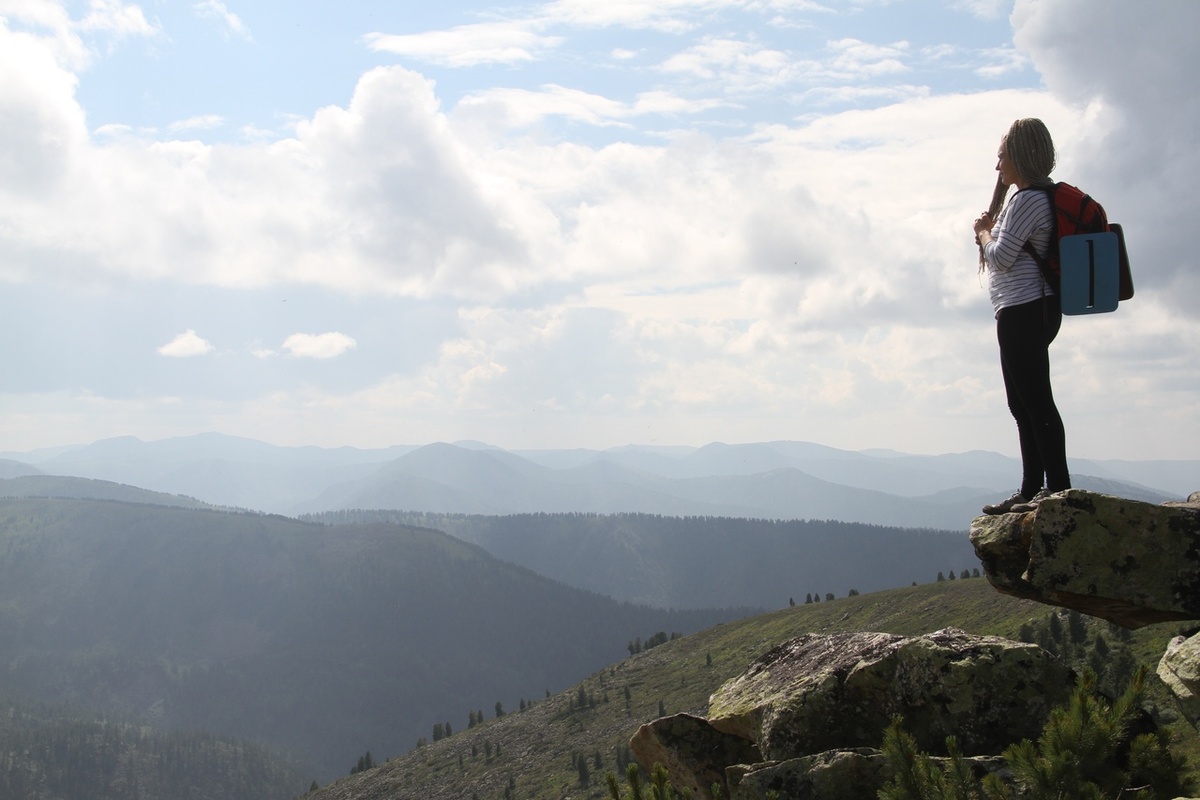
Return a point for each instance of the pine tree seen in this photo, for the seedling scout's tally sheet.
(1077, 757)
(584, 775)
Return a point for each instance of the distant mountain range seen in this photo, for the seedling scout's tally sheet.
(172, 587)
(770, 480)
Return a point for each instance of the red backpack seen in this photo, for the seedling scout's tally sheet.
(1076, 214)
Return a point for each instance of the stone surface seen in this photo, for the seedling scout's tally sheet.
(1129, 562)
(836, 692)
(805, 719)
(833, 775)
(856, 774)
(1179, 669)
(693, 751)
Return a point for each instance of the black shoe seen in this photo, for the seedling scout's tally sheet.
(1005, 506)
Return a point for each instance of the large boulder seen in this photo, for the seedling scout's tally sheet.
(1179, 669)
(693, 751)
(806, 719)
(1129, 562)
(818, 693)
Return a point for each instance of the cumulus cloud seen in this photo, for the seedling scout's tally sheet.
(319, 346)
(1139, 156)
(765, 281)
(186, 345)
(371, 197)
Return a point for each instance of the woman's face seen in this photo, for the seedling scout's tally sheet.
(1008, 175)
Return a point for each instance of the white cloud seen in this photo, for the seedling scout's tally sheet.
(1139, 156)
(1001, 61)
(319, 346)
(116, 17)
(856, 59)
(468, 45)
(203, 122)
(844, 96)
(185, 345)
(987, 9)
(738, 65)
(799, 279)
(42, 128)
(518, 108)
(372, 197)
(671, 16)
(230, 23)
(50, 24)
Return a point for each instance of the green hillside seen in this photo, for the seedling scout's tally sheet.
(324, 642)
(538, 749)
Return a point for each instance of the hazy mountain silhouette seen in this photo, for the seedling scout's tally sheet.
(770, 479)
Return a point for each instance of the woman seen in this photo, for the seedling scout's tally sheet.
(1028, 313)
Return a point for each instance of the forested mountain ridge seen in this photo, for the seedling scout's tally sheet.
(701, 562)
(90, 489)
(322, 641)
(54, 753)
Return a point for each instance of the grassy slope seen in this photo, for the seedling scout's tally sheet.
(537, 745)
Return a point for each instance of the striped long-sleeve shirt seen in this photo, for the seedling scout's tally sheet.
(1013, 276)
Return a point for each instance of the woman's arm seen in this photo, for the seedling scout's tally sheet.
(1028, 213)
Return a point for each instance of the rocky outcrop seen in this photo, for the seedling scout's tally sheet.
(1128, 562)
(1125, 561)
(806, 719)
(815, 708)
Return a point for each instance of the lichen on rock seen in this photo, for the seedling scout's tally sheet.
(1129, 562)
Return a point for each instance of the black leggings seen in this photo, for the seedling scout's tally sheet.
(1025, 333)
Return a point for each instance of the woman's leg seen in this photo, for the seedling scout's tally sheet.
(1025, 333)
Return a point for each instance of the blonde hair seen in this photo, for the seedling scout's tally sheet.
(1030, 149)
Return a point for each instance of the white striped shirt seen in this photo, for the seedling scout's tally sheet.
(1013, 276)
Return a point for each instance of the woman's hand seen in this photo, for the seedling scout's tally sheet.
(983, 223)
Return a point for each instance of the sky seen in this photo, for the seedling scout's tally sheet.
(576, 223)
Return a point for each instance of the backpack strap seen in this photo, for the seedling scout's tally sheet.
(1048, 272)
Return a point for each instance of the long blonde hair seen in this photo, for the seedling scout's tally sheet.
(1030, 149)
